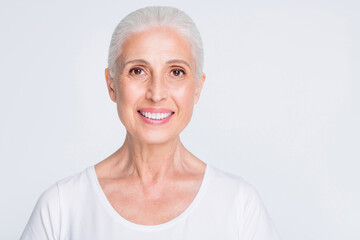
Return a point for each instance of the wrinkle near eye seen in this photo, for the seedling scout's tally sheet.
(134, 70)
(180, 71)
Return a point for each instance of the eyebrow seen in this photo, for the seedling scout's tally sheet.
(137, 61)
(178, 61)
(172, 61)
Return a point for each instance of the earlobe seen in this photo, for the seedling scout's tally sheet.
(199, 87)
(110, 85)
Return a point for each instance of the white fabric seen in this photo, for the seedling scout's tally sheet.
(76, 208)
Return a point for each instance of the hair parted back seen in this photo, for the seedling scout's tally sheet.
(156, 16)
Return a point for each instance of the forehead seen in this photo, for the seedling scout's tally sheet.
(157, 44)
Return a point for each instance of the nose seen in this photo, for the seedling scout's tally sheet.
(157, 90)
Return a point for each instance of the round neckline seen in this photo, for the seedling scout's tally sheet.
(105, 202)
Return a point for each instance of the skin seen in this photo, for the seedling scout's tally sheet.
(152, 178)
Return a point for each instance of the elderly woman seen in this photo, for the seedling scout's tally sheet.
(152, 187)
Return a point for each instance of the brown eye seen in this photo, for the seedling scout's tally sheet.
(177, 72)
(136, 71)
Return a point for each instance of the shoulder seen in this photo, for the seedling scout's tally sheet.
(74, 189)
(251, 213)
(44, 222)
(75, 180)
(231, 181)
(50, 198)
(51, 195)
(236, 192)
(244, 195)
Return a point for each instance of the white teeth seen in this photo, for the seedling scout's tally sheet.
(155, 116)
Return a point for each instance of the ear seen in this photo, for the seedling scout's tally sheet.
(110, 85)
(199, 87)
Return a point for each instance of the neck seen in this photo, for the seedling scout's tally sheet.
(151, 162)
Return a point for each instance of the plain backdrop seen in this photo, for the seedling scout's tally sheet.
(280, 106)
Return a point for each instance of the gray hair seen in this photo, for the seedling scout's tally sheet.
(156, 16)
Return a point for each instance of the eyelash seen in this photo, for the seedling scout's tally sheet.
(136, 68)
(131, 71)
(178, 69)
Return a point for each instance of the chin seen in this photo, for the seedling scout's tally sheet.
(157, 138)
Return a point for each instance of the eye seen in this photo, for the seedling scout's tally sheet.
(177, 72)
(136, 71)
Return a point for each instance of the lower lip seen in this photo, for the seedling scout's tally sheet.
(155, 121)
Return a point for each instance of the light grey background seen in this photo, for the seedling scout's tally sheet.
(280, 105)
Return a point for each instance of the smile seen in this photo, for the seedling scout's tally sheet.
(155, 116)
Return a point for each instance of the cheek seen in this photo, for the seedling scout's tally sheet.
(128, 96)
(184, 98)
(129, 93)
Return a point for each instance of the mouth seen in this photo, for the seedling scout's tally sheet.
(155, 116)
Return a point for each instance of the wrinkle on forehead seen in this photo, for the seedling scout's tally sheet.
(176, 39)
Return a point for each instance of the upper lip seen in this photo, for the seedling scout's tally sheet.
(156, 110)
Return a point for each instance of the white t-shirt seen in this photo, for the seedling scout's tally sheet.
(76, 208)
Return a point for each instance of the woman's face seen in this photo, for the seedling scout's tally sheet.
(155, 87)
